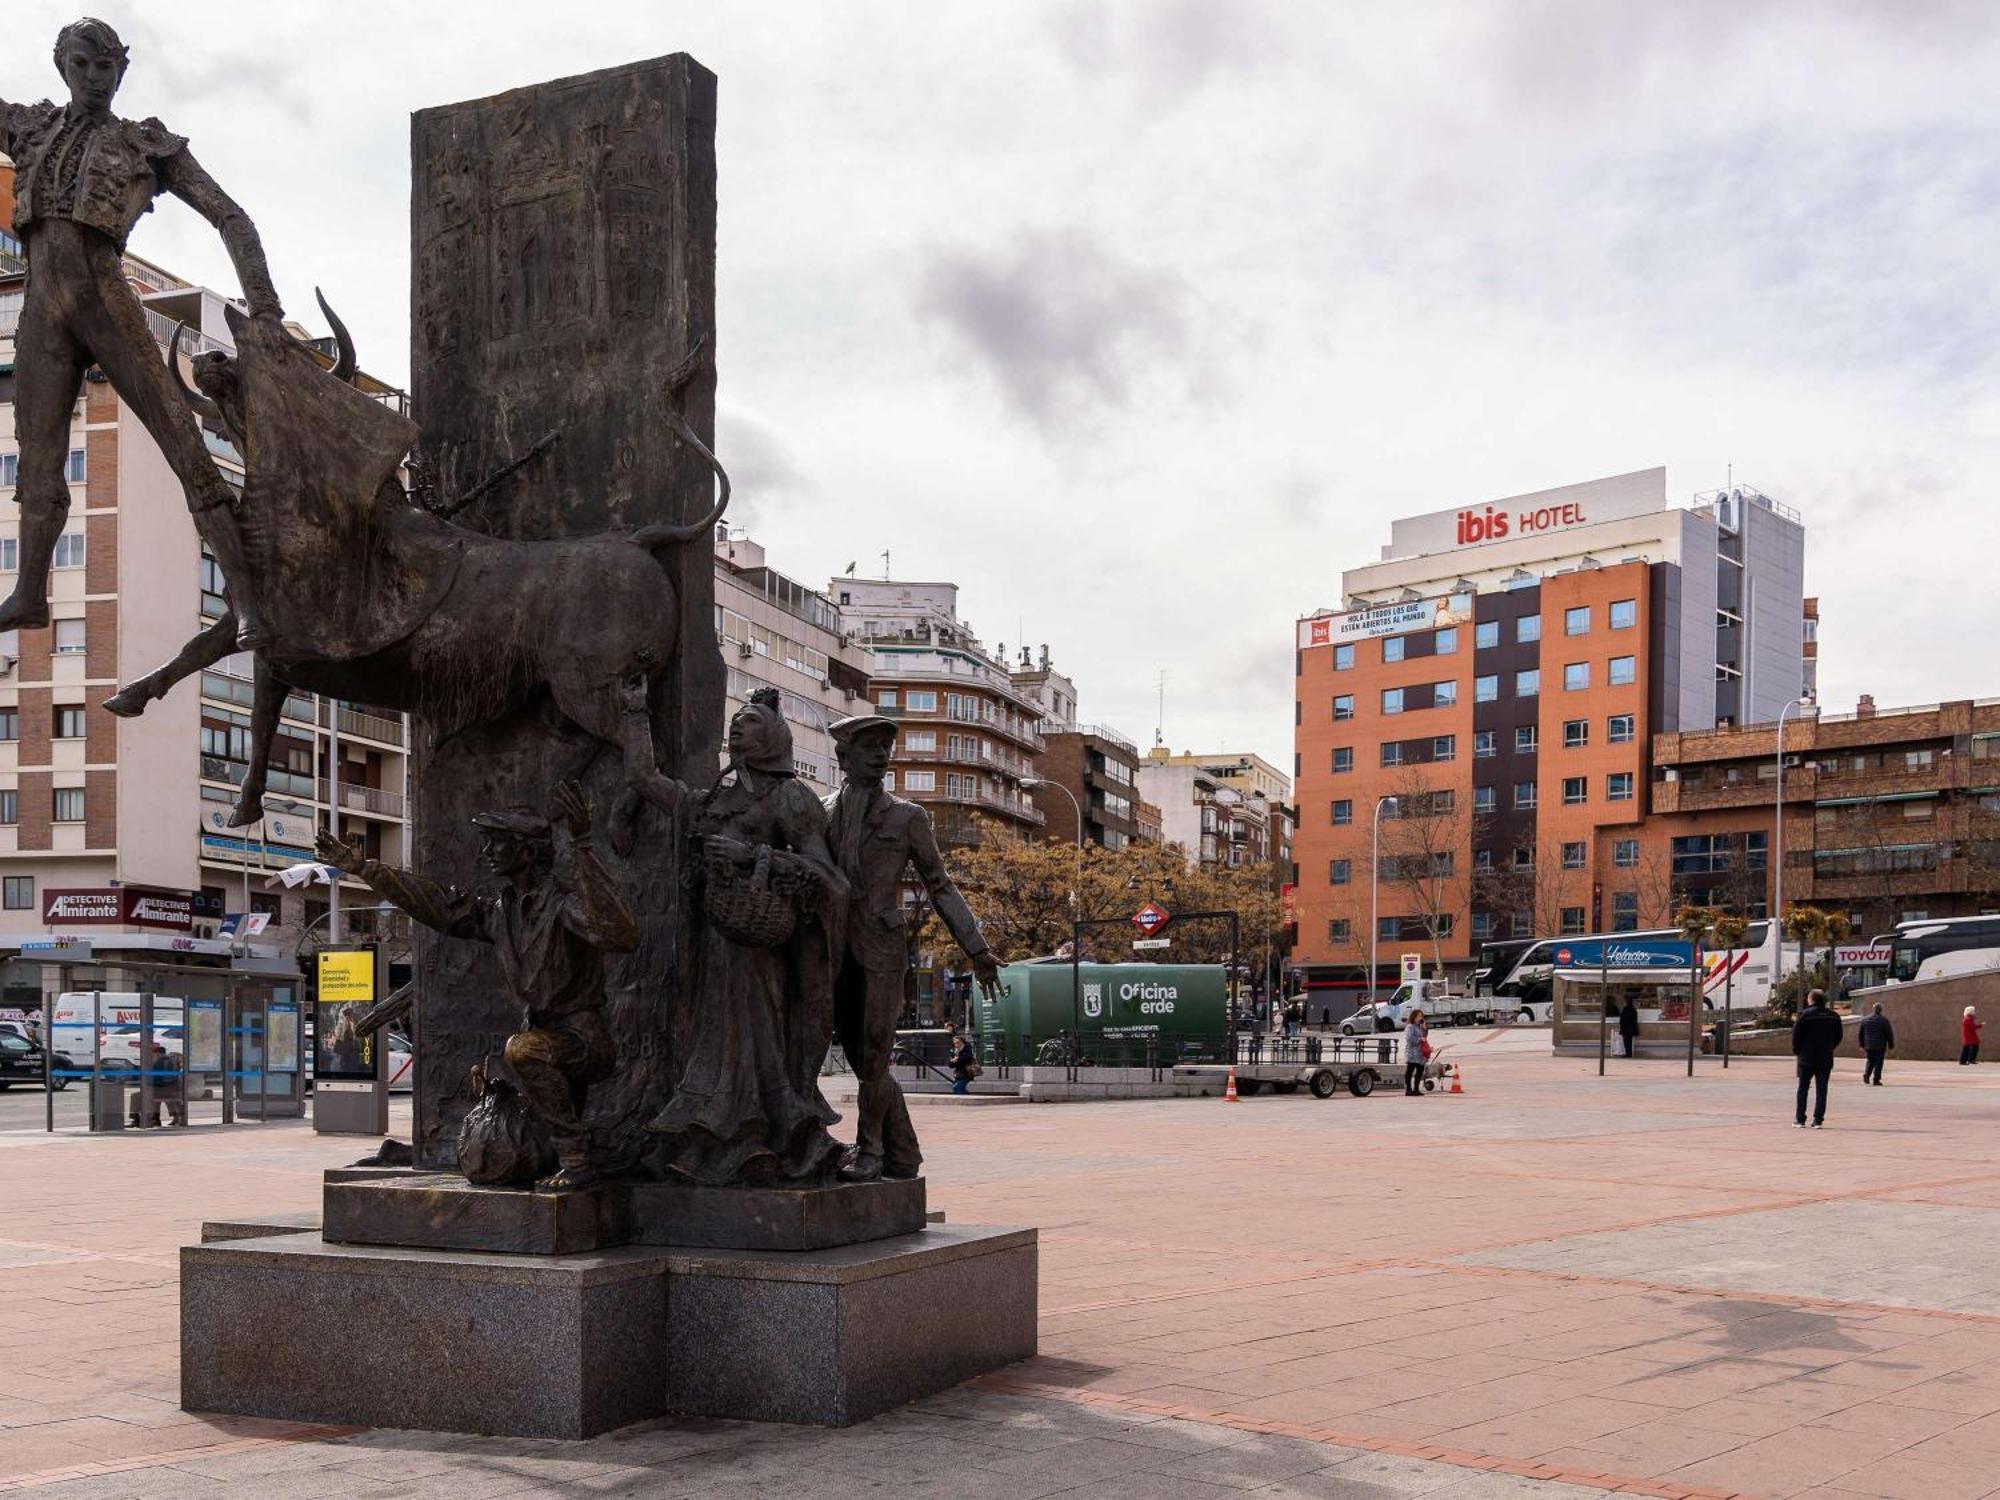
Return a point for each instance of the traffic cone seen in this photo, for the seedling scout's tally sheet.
(1456, 1086)
(1229, 1093)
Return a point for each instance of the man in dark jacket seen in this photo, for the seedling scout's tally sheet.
(1628, 1028)
(1815, 1038)
(1877, 1037)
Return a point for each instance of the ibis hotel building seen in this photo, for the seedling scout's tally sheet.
(1492, 684)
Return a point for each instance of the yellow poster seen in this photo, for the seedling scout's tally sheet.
(347, 974)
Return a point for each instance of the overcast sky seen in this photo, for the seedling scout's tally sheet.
(1142, 320)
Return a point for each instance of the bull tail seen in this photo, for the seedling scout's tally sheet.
(653, 537)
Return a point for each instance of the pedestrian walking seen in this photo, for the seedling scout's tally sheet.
(1416, 1052)
(1326, 1018)
(1969, 1028)
(1628, 1028)
(1877, 1038)
(1815, 1038)
(962, 1064)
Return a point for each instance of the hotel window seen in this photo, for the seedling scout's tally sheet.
(1443, 694)
(1524, 859)
(1528, 628)
(920, 781)
(1343, 759)
(1576, 791)
(1618, 787)
(1528, 684)
(1485, 689)
(1392, 700)
(1576, 733)
(1577, 621)
(69, 550)
(1625, 854)
(1483, 923)
(68, 804)
(1483, 746)
(1343, 658)
(920, 702)
(1624, 911)
(1524, 795)
(1392, 648)
(76, 471)
(69, 722)
(10, 808)
(920, 739)
(1526, 740)
(1388, 929)
(17, 893)
(1339, 871)
(1624, 613)
(1482, 859)
(1520, 924)
(1624, 671)
(884, 697)
(1573, 855)
(10, 554)
(1576, 676)
(10, 724)
(1484, 799)
(1392, 752)
(1571, 921)
(1343, 813)
(1343, 707)
(10, 470)
(69, 638)
(1446, 642)
(1338, 930)
(1619, 728)
(1486, 635)
(1445, 747)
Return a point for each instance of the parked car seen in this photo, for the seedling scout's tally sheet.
(21, 1062)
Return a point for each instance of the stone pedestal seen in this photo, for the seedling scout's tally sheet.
(442, 1211)
(527, 1346)
(837, 1336)
(294, 1327)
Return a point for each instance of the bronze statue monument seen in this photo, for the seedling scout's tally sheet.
(83, 178)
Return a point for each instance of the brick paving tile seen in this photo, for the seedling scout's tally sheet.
(1900, 1477)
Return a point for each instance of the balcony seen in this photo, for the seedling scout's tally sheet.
(1022, 811)
(367, 726)
(367, 799)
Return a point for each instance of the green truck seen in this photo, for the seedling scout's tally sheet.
(1184, 1006)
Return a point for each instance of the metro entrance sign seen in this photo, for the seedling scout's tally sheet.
(1150, 918)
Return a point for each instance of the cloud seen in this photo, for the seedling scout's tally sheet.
(1171, 48)
(1063, 327)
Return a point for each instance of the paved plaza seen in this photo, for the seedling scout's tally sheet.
(1553, 1285)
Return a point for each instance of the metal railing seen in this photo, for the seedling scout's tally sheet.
(366, 725)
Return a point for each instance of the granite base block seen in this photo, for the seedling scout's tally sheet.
(297, 1328)
(836, 1336)
(817, 1218)
(261, 1226)
(442, 1211)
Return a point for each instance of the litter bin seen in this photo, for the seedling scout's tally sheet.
(108, 1100)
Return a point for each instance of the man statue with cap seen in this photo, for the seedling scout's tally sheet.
(875, 835)
(551, 935)
(83, 177)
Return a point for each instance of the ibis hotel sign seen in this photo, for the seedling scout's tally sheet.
(1545, 513)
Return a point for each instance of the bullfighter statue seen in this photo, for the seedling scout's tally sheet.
(551, 933)
(874, 835)
(82, 178)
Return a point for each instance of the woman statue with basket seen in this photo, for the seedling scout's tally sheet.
(747, 1109)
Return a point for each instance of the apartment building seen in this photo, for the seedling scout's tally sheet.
(776, 632)
(1489, 693)
(1218, 808)
(117, 828)
(969, 736)
(1889, 814)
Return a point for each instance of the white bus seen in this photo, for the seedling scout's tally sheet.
(1940, 948)
(1743, 976)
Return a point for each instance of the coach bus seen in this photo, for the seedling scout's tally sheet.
(1743, 975)
(1940, 948)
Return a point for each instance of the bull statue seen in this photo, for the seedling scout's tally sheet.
(366, 596)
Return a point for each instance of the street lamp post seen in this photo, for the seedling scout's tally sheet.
(1778, 847)
(1375, 895)
(1076, 920)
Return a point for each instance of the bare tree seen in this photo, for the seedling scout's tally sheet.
(1427, 846)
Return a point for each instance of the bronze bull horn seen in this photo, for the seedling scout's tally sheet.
(661, 536)
(194, 398)
(344, 368)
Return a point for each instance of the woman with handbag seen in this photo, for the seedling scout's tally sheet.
(1416, 1052)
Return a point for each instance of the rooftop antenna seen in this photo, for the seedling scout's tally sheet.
(1160, 723)
(885, 564)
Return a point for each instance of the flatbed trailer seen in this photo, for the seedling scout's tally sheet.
(1321, 1065)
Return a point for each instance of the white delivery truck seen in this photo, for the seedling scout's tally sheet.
(1439, 1005)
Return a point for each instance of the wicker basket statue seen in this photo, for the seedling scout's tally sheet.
(758, 906)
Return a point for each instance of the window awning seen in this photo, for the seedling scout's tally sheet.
(1871, 801)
